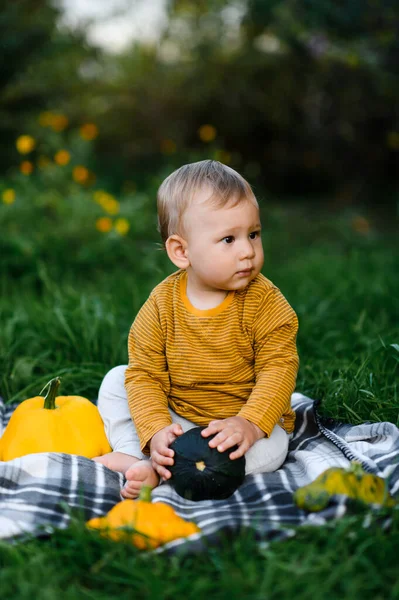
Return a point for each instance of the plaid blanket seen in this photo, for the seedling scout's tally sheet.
(39, 492)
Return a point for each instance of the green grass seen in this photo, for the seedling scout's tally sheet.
(68, 295)
(342, 560)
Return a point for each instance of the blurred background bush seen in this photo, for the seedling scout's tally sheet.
(301, 96)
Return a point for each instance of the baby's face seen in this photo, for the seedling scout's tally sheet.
(224, 245)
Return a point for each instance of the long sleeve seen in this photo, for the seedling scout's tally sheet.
(276, 363)
(147, 378)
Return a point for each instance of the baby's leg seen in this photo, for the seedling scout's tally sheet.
(267, 454)
(126, 457)
(114, 411)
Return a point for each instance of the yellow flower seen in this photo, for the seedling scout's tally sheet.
(8, 196)
(26, 167)
(168, 147)
(25, 144)
(111, 206)
(361, 224)
(207, 133)
(104, 224)
(108, 202)
(88, 131)
(42, 162)
(59, 122)
(56, 121)
(98, 195)
(122, 226)
(62, 157)
(80, 174)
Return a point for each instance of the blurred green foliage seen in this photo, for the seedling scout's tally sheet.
(300, 96)
(40, 65)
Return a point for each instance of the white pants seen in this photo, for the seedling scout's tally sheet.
(265, 456)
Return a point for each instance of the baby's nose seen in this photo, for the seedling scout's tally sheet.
(247, 250)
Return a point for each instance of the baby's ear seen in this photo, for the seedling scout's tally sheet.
(176, 247)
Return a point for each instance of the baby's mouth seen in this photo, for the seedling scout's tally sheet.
(244, 271)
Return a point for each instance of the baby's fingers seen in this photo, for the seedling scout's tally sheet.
(213, 427)
(162, 450)
(173, 432)
(241, 450)
(226, 442)
(162, 472)
(161, 459)
(220, 438)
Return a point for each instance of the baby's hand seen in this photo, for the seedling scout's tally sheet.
(161, 454)
(233, 431)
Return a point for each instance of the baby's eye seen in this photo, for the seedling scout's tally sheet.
(254, 235)
(229, 239)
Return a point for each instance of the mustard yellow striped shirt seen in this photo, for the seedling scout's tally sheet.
(239, 358)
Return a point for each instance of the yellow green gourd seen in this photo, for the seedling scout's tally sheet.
(142, 523)
(70, 424)
(353, 482)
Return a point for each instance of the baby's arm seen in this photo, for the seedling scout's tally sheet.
(276, 362)
(276, 366)
(147, 380)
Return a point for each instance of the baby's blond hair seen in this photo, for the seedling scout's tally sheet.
(177, 191)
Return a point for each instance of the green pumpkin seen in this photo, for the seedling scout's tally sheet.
(203, 473)
(353, 482)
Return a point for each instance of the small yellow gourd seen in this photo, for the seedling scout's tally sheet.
(353, 482)
(142, 523)
(69, 424)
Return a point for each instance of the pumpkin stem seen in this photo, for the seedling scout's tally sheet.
(356, 468)
(145, 493)
(49, 399)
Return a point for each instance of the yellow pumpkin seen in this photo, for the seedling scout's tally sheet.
(69, 424)
(142, 523)
(353, 482)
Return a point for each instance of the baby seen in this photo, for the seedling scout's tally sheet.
(215, 343)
